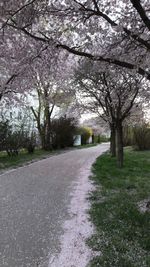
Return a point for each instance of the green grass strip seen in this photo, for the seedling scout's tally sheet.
(122, 231)
(22, 158)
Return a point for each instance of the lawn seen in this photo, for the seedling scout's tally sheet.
(86, 146)
(23, 157)
(122, 231)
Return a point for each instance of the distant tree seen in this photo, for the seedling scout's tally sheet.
(111, 94)
(86, 133)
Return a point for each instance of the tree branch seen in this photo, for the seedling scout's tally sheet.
(126, 112)
(34, 113)
(16, 12)
(35, 37)
(99, 13)
(107, 60)
(95, 4)
(137, 5)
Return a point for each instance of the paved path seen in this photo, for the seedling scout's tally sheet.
(33, 206)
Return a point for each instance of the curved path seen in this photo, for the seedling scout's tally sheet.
(33, 206)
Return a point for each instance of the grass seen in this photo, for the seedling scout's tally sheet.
(86, 146)
(23, 157)
(122, 236)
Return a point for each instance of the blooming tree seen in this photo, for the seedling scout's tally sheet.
(17, 53)
(49, 87)
(115, 32)
(111, 94)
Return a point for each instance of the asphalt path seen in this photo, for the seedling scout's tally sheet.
(34, 203)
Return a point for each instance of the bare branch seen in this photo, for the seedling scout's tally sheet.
(137, 5)
(16, 12)
(107, 60)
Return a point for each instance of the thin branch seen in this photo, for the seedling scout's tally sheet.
(16, 12)
(99, 13)
(95, 4)
(35, 37)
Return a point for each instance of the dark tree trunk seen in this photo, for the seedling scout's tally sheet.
(48, 128)
(42, 137)
(41, 128)
(113, 140)
(119, 131)
(41, 131)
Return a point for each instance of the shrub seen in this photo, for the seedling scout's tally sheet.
(86, 133)
(128, 136)
(30, 142)
(15, 141)
(12, 141)
(5, 130)
(104, 138)
(142, 137)
(97, 139)
(63, 131)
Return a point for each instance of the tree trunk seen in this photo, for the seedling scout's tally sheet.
(119, 131)
(41, 129)
(113, 140)
(48, 128)
(42, 137)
